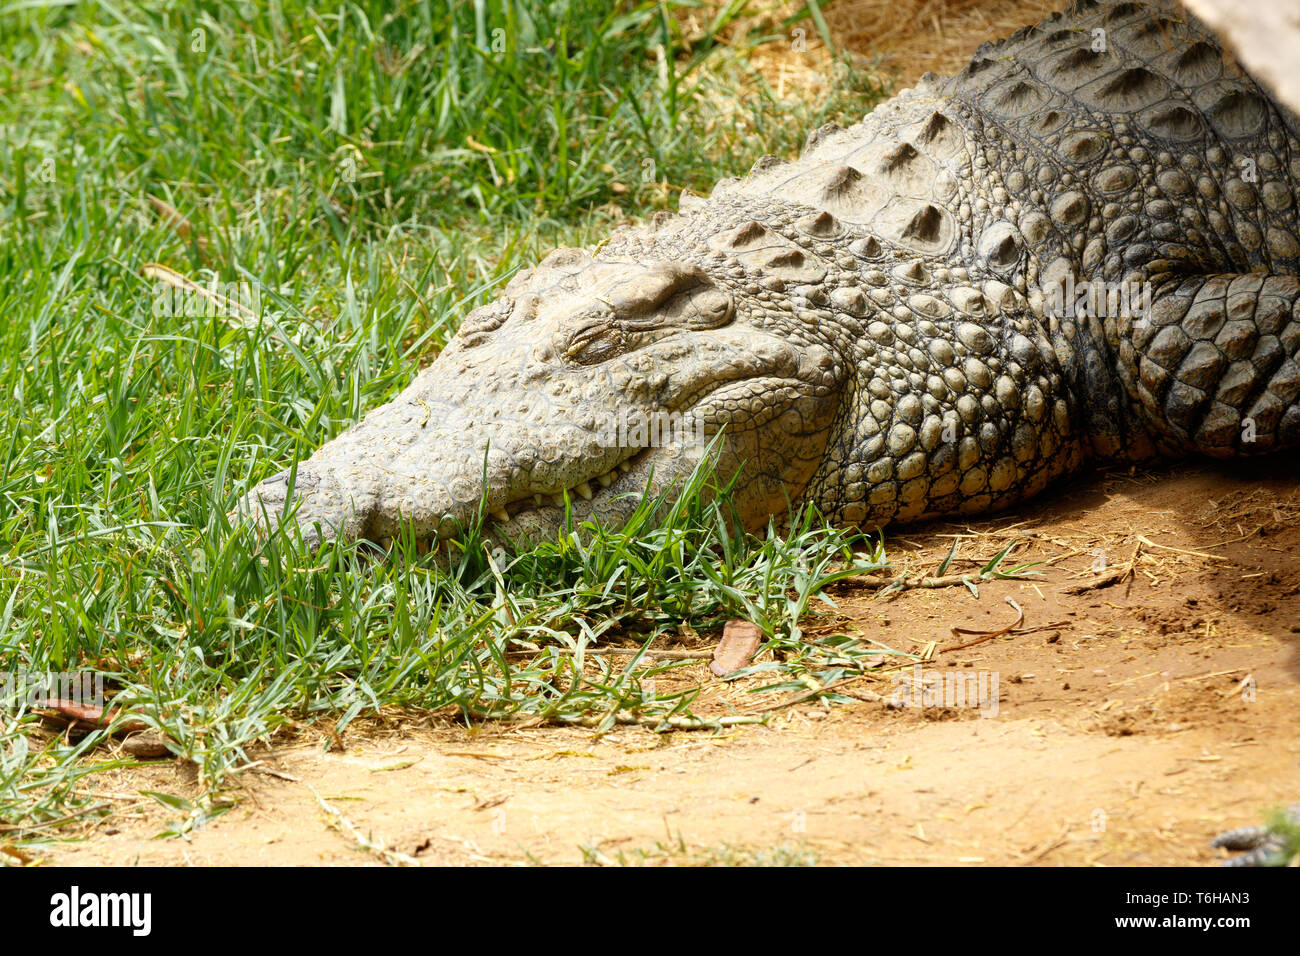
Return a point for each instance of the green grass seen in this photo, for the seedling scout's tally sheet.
(371, 171)
(1286, 826)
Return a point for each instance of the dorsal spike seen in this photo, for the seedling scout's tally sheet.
(1199, 63)
(1083, 58)
(1135, 81)
(841, 182)
(868, 247)
(913, 271)
(898, 157)
(822, 225)
(747, 235)
(1155, 28)
(926, 225)
(935, 127)
(766, 163)
(821, 135)
(1019, 96)
(788, 258)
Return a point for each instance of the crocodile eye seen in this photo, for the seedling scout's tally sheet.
(640, 308)
(596, 342)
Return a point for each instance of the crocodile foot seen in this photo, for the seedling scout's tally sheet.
(1274, 844)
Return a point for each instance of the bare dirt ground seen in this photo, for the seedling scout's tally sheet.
(1133, 722)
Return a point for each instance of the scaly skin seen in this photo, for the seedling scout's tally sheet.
(873, 323)
(1260, 845)
(876, 324)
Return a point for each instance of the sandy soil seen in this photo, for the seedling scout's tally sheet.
(1133, 722)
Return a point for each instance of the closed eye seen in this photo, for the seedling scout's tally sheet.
(596, 342)
(659, 300)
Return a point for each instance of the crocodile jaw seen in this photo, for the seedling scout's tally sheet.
(514, 429)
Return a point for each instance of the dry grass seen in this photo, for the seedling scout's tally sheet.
(900, 39)
(913, 37)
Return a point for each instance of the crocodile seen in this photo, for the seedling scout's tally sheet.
(1084, 246)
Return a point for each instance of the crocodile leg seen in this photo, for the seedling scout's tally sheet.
(1214, 367)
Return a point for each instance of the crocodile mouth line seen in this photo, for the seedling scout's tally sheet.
(585, 490)
(589, 488)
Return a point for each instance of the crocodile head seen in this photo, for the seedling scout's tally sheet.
(589, 380)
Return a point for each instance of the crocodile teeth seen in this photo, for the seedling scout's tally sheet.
(624, 467)
(539, 500)
(606, 480)
(501, 516)
(583, 489)
(557, 501)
